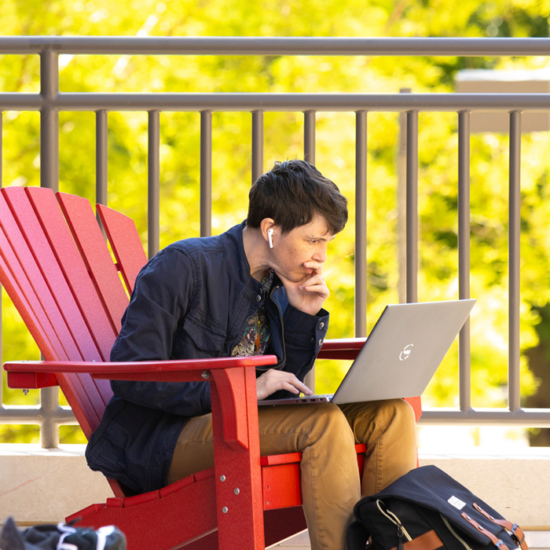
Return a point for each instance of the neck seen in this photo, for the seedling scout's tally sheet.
(256, 251)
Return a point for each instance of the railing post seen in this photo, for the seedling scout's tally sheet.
(361, 224)
(1, 291)
(49, 177)
(101, 158)
(309, 136)
(402, 204)
(49, 120)
(412, 206)
(153, 184)
(206, 173)
(257, 144)
(514, 231)
(309, 156)
(101, 151)
(49, 429)
(464, 359)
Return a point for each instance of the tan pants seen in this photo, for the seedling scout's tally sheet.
(325, 435)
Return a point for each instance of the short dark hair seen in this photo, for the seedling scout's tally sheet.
(292, 193)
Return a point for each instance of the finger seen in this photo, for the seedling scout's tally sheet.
(289, 387)
(300, 386)
(287, 381)
(316, 266)
(321, 290)
(315, 280)
(321, 287)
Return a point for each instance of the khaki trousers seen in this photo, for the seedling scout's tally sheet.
(325, 434)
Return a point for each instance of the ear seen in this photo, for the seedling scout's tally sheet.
(265, 225)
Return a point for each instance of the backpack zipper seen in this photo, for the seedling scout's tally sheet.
(454, 533)
(402, 531)
(396, 521)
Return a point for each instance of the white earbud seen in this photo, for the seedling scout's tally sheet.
(270, 237)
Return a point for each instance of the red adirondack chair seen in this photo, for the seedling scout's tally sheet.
(57, 269)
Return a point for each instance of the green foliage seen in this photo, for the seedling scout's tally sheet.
(180, 142)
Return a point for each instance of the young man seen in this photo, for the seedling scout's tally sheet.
(258, 288)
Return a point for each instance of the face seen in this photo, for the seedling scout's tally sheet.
(302, 251)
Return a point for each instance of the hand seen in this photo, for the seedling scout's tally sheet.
(309, 294)
(274, 380)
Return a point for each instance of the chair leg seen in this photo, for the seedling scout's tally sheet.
(237, 460)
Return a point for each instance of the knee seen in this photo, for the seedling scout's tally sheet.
(397, 414)
(399, 408)
(331, 423)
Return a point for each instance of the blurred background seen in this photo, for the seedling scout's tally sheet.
(335, 150)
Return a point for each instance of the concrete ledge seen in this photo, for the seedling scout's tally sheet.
(536, 540)
(40, 485)
(516, 485)
(46, 485)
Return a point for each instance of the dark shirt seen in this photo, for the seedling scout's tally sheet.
(191, 301)
(257, 331)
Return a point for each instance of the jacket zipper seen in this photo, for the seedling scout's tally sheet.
(281, 364)
(454, 533)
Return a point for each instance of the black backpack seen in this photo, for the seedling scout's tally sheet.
(427, 509)
(60, 537)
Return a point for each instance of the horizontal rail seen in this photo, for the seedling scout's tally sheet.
(36, 415)
(50, 102)
(275, 102)
(277, 46)
(527, 418)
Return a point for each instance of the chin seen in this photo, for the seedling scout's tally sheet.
(292, 277)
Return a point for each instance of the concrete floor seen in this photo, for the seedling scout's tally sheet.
(536, 540)
(299, 542)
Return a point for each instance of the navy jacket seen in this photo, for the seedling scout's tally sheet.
(190, 301)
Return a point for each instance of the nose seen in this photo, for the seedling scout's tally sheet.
(320, 254)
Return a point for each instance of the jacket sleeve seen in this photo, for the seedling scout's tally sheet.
(159, 303)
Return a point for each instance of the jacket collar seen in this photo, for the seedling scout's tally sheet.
(239, 268)
(236, 260)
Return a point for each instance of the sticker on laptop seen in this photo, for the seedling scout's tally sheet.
(456, 502)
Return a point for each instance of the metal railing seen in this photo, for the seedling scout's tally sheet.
(50, 101)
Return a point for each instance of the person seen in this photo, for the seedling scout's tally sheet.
(257, 288)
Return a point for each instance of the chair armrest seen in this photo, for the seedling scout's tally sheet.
(36, 374)
(343, 348)
(227, 373)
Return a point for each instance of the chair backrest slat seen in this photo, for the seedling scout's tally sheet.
(91, 244)
(72, 265)
(31, 295)
(49, 267)
(11, 275)
(86, 401)
(123, 236)
(37, 293)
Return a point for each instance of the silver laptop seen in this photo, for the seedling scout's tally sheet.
(400, 356)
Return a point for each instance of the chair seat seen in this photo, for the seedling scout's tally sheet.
(191, 503)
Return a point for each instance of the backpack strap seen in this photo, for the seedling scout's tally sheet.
(513, 528)
(497, 542)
